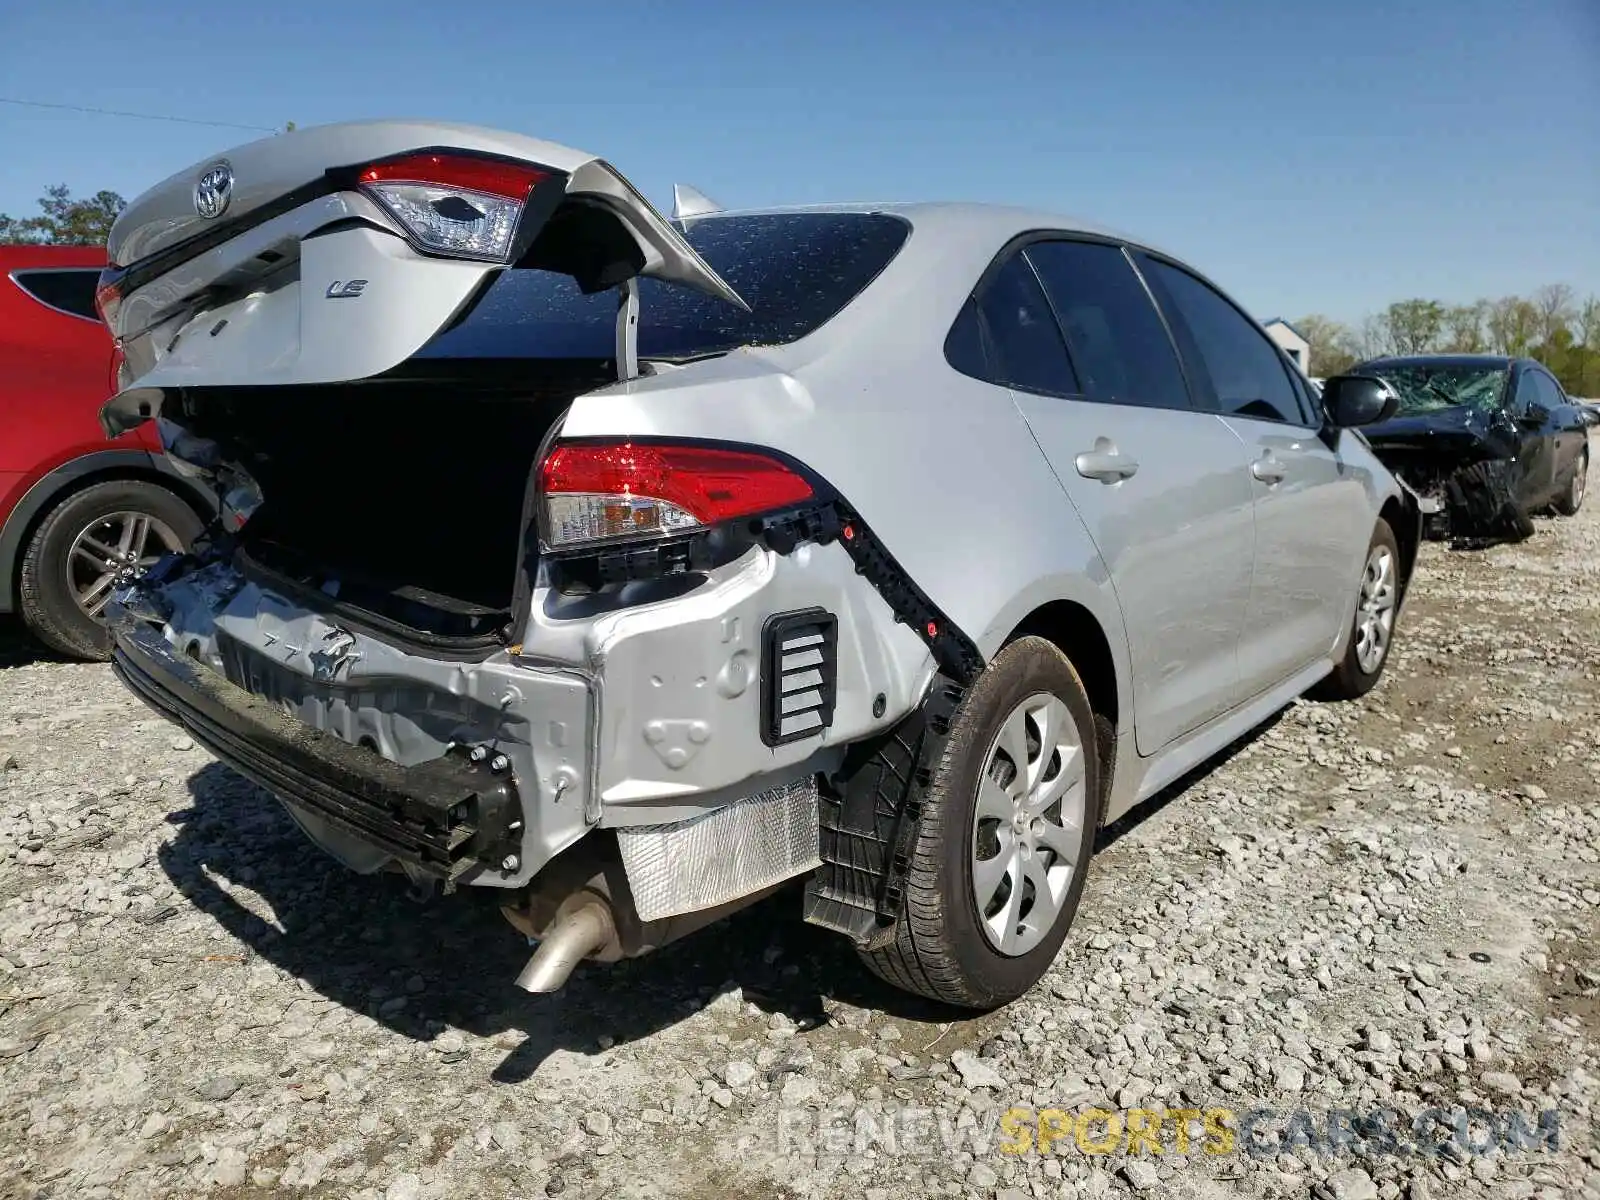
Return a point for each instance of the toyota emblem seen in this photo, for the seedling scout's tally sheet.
(213, 190)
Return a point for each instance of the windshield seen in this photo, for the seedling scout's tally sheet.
(1424, 388)
(795, 270)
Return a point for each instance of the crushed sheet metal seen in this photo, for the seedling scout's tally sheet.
(730, 852)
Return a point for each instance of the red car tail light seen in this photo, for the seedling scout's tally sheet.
(456, 204)
(615, 491)
(107, 296)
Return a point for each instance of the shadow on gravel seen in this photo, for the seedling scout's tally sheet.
(1131, 820)
(17, 647)
(358, 940)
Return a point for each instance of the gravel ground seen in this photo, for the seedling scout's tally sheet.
(1387, 905)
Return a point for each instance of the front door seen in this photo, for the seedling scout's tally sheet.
(1312, 513)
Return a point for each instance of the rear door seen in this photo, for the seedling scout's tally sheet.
(1313, 517)
(1163, 489)
(334, 253)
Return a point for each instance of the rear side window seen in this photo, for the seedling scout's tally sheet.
(1244, 366)
(1024, 341)
(1118, 344)
(65, 289)
(795, 270)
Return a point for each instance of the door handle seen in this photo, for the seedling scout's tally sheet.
(1268, 470)
(1107, 466)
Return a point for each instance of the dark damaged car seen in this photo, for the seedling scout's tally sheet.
(1485, 440)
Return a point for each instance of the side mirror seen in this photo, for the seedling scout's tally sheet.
(1352, 400)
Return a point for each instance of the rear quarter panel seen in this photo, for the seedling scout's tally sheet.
(55, 372)
(941, 467)
(55, 368)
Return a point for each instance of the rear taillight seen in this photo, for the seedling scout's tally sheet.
(615, 491)
(455, 204)
(107, 296)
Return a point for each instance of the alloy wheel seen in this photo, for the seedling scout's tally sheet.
(1375, 610)
(114, 551)
(1027, 824)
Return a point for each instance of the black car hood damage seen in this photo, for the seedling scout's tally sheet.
(1459, 434)
(1464, 460)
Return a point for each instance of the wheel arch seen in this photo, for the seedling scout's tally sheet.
(1074, 630)
(1405, 518)
(71, 477)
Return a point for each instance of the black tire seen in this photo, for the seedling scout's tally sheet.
(939, 949)
(46, 599)
(1571, 499)
(1349, 679)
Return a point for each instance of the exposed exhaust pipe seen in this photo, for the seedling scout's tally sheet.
(577, 934)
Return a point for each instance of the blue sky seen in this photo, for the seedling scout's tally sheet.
(1313, 157)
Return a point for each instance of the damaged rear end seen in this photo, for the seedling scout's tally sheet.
(452, 642)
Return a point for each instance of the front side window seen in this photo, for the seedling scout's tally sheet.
(1244, 366)
(1550, 394)
(1118, 344)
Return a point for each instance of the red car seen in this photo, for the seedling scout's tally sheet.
(78, 512)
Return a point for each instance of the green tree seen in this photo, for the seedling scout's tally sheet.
(1586, 331)
(1333, 348)
(1586, 325)
(1513, 325)
(64, 221)
(1414, 326)
(1554, 302)
(1463, 328)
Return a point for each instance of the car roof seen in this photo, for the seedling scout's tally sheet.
(20, 256)
(984, 221)
(1440, 360)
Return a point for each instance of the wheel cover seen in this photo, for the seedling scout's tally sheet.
(1375, 610)
(1580, 480)
(1028, 824)
(113, 551)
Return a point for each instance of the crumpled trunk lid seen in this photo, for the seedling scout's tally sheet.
(278, 264)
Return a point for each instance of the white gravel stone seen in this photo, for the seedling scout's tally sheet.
(1336, 914)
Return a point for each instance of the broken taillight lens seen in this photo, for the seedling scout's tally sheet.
(108, 297)
(612, 491)
(455, 204)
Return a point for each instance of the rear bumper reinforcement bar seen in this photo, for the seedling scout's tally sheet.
(444, 817)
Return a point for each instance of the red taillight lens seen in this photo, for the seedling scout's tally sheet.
(508, 180)
(106, 298)
(454, 204)
(614, 490)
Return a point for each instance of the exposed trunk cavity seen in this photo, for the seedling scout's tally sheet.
(400, 501)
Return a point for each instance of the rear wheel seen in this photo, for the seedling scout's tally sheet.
(1004, 841)
(87, 546)
(1372, 633)
(1572, 499)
